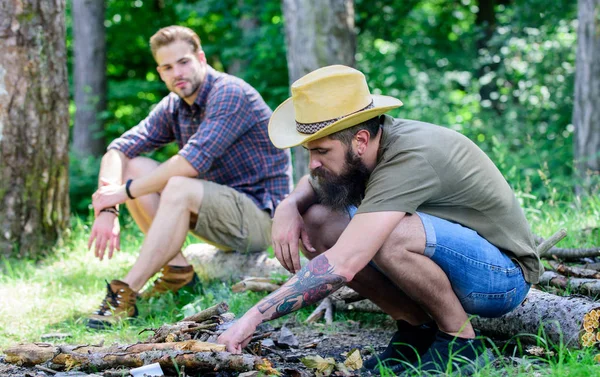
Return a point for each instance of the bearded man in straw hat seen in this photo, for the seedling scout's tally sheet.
(413, 216)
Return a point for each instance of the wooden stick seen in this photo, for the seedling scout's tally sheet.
(549, 243)
(207, 313)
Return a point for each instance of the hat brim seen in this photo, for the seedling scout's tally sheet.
(282, 125)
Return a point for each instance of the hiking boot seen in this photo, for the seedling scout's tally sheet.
(406, 346)
(172, 279)
(118, 305)
(449, 354)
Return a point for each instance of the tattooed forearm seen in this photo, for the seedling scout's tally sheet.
(312, 283)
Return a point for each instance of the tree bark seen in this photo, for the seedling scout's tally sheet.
(555, 318)
(318, 33)
(34, 126)
(584, 286)
(167, 355)
(586, 112)
(89, 77)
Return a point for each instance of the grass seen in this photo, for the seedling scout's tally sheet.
(57, 293)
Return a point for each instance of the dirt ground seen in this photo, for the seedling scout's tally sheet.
(312, 339)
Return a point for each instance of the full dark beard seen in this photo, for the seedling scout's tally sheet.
(340, 191)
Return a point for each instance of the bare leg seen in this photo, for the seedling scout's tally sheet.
(180, 198)
(413, 286)
(143, 209)
(324, 228)
(401, 259)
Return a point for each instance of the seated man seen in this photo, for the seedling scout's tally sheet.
(223, 185)
(438, 233)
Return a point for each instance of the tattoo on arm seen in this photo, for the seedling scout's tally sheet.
(312, 283)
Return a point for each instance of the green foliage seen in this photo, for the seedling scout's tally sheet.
(424, 52)
(511, 92)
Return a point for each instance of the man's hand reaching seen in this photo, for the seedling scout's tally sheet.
(288, 229)
(105, 233)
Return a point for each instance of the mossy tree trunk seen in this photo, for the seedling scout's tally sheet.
(318, 33)
(586, 112)
(34, 126)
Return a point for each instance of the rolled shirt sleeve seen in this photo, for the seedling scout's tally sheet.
(224, 122)
(152, 133)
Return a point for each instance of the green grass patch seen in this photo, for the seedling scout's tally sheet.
(58, 293)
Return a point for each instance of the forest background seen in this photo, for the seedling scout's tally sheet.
(507, 82)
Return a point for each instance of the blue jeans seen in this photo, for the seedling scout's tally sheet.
(485, 280)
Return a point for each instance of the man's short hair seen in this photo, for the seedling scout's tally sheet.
(345, 136)
(170, 34)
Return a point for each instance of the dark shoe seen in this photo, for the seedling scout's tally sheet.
(407, 344)
(449, 354)
(172, 279)
(118, 305)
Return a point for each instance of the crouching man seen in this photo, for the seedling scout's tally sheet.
(413, 216)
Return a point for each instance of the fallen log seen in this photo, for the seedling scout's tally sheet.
(566, 254)
(570, 320)
(574, 271)
(588, 287)
(213, 264)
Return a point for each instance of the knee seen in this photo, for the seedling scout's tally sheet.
(315, 217)
(175, 191)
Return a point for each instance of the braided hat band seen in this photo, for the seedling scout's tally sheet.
(311, 128)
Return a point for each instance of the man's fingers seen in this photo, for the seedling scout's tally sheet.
(289, 265)
(295, 255)
(91, 239)
(306, 242)
(111, 248)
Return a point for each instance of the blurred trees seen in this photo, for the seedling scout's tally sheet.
(89, 73)
(34, 126)
(586, 114)
(318, 33)
(499, 71)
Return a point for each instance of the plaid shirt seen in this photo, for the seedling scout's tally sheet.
(223, 135)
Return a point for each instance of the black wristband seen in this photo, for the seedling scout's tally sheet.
(127, 185)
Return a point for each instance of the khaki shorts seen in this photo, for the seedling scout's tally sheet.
(230, 220)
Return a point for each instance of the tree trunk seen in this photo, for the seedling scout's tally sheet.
(34, 125)
(318, 33)
(586, 112)
(90, 77)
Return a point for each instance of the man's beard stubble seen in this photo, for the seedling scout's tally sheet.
(348, 188)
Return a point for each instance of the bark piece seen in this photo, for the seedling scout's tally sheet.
(589, 287)
(287, 338)
(558, 318)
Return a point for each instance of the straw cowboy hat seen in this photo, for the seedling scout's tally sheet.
(323, 102)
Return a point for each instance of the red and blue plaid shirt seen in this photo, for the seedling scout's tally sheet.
(223, 135)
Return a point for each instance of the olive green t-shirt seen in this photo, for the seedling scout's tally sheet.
(426, 168)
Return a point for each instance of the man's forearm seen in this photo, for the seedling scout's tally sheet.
(311, 284)
(176, 166)
(112, 166)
